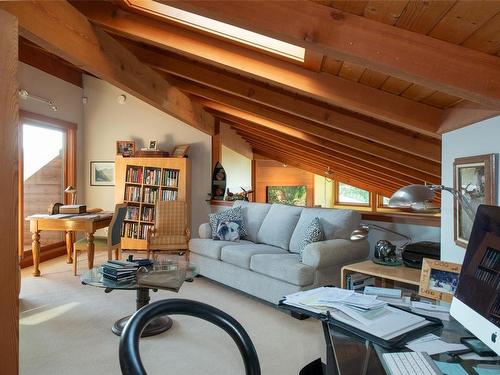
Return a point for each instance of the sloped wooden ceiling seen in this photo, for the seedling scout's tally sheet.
(380, 82)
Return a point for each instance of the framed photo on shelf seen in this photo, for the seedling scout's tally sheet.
(180, 151)
(125, 148)
(102, 173)
(438, 279)
(475, 177)
(153, 145)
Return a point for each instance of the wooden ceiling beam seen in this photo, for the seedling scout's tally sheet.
(407, 55)
(63, 31)
(288, 124)
(463, 114)
(382, 133)
(315, 150)
(325, 87)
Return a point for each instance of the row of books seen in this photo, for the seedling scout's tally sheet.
(134, 174)
(152, 176)
(169, 195)
(130, 230)
(358, 281)
(489, 277)
(491, 259)
(143, 231)
(170, 178)
(148, 214)
(132, 213)
(132, 193)
(150, 195)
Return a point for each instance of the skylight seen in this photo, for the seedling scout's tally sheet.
(225, 30)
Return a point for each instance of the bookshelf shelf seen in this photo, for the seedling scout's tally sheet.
(141, 183)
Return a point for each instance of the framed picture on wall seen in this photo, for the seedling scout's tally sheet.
(102, 173)
(292, 195)
(475, 177)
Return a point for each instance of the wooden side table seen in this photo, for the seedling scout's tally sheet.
(385, 276)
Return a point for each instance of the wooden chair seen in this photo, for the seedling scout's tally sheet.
(109, 243)
(170, 232)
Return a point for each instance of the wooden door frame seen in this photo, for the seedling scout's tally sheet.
(9, 265)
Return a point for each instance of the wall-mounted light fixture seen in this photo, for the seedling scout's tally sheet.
(328, 174)
(25, 95)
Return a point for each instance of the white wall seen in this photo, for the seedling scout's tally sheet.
(323, 191)
(238, 170)
(478, 139)
(68, 99)
(107, 121)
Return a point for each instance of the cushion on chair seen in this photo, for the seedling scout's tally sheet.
(211, 248)
(240, 255)
(170, 217)
(285, 267)
(253, 216)
(335, 224)
(99, 243)
(278, 225)
(168, 241)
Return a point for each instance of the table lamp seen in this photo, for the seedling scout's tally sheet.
(71, 190)
(419, 198)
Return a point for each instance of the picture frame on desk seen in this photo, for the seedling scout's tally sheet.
(102, 173)
(475, 177)
(438, 279)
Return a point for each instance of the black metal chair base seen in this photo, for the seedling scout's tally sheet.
(157, 326)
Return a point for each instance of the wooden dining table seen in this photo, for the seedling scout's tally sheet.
(88, 223)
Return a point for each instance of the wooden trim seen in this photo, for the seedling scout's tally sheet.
(402, 218)
(9, 264)
(35, 56)
(47, 252)
(327, 88)
(62, 30)
(463, 114)
(330, 116)
(27, 116)
(70, 165)
(401, 53)
(337, 202)
(221, 203)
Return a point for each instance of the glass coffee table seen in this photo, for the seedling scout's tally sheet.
(166, 275)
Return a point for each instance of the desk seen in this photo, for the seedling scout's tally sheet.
(385, 275)
(88, 223)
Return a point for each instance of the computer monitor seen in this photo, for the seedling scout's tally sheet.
(476, 303)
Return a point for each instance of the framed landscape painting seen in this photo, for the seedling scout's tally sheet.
(102, 173)
(475, 177)
(292, 195)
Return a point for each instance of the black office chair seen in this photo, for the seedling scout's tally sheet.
(130, 359)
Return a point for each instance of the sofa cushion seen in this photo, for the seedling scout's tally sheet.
(335, 223)
(232, 214)
(285, 267)
(278, 225)
(313, 233)
(211, 248)
(240, 255)
(253, 216)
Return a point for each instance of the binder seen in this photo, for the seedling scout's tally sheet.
(397, 342)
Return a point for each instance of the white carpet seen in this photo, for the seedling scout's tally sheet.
(65, 328)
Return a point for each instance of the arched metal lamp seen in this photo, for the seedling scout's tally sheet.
(419, 198)
(71, 190)
(364, 229)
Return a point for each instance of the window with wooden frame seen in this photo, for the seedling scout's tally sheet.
(47, 165)
(348, 195)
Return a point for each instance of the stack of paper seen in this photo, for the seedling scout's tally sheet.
(428, 309)
(432, 344)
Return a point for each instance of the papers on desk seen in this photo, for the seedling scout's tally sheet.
(366, 313)
(428, 309)
(432, 344)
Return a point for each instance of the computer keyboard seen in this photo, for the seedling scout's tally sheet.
(410, 363)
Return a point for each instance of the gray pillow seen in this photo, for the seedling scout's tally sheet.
(313, 233)
(232, 214)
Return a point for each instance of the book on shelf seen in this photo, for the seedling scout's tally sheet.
(152, 176)
(148, 214)
(132, 213)
(143, 231)
(130, 230)
(150, 195)
(168, 195)
(170, 178)
(134, 175)
(132, 193)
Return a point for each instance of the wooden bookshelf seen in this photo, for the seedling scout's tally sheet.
(141, 183)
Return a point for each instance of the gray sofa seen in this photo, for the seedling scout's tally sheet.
(267, 264)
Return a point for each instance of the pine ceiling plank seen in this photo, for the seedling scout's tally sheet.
(373, 79)
(463, 114)
(487, 38)
(417, 92)
(327, 88)
(395, 85)
(332, 66)
(465, 18)
(422, 16)
(351, 71)
(313, 60)
(356, 7)
(60, 29)
(277, 99)
(397, 52)
(385, 11)
(441, 100)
